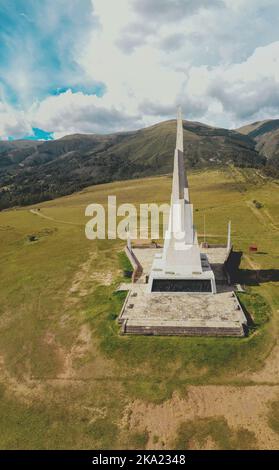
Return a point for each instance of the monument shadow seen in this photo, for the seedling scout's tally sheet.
(249, 277)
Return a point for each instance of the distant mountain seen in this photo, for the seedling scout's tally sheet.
(32, 171)
(15, 151)
(266, 136)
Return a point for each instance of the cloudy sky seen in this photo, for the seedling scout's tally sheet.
(109, 65)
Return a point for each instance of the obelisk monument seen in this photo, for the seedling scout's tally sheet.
(181, 267)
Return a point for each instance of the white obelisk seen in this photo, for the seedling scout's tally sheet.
(181, 263)
(181, 250)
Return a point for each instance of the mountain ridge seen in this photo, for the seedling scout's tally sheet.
(33, 171)
(266, 136)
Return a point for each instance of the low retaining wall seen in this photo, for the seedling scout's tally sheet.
(213, 245)
(180, 330)
(148, 245)
(226, 266)
(120, 319)
(137, 267)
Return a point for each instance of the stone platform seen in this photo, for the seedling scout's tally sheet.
(161, 313)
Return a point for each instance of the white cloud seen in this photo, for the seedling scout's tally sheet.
(218, 59)
(248, 90)
(176, 10)
(70, 113)
(13, 123)
(163, 69)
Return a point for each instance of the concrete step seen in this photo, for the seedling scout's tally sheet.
(171, 330)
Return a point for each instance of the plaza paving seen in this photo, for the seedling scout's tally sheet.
(181, 313)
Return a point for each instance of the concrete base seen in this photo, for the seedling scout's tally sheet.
(181, 280)
(184, 314)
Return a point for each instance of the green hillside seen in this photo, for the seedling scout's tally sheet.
(68, 380)
(266, 136)
(41, 171)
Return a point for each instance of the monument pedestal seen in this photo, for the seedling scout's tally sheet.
(181, 313)
(180, 278)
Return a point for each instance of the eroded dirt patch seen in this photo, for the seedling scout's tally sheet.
(245, 407)
(80, 283)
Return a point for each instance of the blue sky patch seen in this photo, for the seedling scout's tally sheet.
(38, 134)
(97, 89)
(39, 45)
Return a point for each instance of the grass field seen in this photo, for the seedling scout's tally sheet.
(70, 381)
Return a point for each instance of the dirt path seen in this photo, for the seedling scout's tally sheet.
(40, 214)
(263, 217)
(269, 216)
